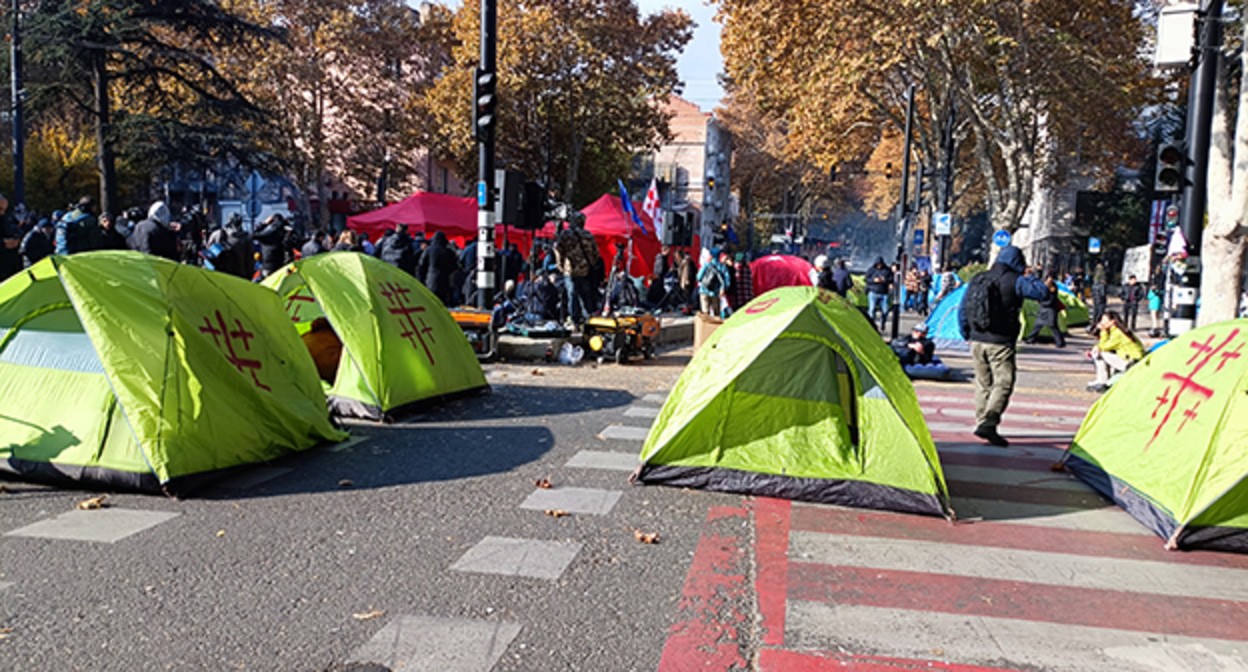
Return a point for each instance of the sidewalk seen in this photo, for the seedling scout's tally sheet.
(1039, 572)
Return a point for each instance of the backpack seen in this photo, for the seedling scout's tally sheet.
(710, 280)
(982, 300)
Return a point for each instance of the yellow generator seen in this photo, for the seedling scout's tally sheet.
(478, 326)
(622, 336)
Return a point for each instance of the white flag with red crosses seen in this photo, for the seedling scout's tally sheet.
(650, 206)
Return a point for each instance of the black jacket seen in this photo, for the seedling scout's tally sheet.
(398, 250)
(1012, 286)
(437, 269)
(152, 237)
(35, 246)
(272, 240)
(879, 277)
(842, 281)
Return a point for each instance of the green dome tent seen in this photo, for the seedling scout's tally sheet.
(120, 369)
(1167, 442)
(400, 346)
(796, 396)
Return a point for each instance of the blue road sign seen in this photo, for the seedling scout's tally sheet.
(1001, 238)
(918, 236)
(481, 197)
(1094, 246)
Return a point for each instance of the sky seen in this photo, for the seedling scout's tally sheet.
(701, 62)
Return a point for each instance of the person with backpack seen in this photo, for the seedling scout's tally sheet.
(577, 253)
(842, 281)
(713, 284)
(154, 235)
(989, 319)
(78, 230)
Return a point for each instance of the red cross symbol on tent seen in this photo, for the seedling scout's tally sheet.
(225, 340)
(408, 317)
(1183, 384)
(295, 302)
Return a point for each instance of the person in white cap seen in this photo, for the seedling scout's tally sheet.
(153, 235)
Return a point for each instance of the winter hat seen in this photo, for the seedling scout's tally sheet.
(159, 212)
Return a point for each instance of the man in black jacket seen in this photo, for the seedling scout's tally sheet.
(437, 268)
(879, 282)
(397, 249)
(153, 235)
(272, 240)
(993, 345)
(842, 281)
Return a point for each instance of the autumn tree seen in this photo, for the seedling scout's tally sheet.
(1013, 73)
(576, 89)
(141, 72)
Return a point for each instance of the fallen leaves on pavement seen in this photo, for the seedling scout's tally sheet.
(94, 503)
(646, 537)
(538, 372)
(346, 483)
(369, 615)
(543, 483)
(556, 513)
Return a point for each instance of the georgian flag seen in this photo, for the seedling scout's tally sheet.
(651, 207)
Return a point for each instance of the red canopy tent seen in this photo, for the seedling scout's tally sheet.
(780, 270)
(613, 228)
(423, 212)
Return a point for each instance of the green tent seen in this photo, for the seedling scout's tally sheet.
(1167, 441)
(400, 346)
(1075, 314)
(120, 369)
(796, 396)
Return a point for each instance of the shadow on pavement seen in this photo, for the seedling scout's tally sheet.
(388, 457)
(509, 400)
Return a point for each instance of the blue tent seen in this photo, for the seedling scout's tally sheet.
(942, 323)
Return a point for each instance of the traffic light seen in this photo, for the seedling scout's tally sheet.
(1172, 216)
(484, 103)
(1170, 160)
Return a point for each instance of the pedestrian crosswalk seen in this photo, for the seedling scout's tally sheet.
(1039, 572)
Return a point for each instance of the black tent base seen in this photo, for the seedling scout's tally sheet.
(1160, 521)
(858, 494)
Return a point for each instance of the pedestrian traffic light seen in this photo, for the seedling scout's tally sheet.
(1170, 159)
(484, 102)
(1172, 216)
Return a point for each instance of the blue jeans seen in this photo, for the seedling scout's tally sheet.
(876, 301)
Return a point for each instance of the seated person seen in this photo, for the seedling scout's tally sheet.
(325, 348)
(916, 348)
(1115, 351)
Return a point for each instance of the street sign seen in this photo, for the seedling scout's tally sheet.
(942, 224)
(1001, 238)
(1094, 246)
(918, 237)
(481, 195)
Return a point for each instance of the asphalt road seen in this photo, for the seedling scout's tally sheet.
(288, 567)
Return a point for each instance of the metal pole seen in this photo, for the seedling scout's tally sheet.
(485, 166)
(902, 218)
(946, 195)
(1199, 129)
(19, 130)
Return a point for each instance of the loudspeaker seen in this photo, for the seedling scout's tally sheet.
(508, 185)
(532, 207)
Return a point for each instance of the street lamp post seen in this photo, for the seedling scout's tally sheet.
(902, 218)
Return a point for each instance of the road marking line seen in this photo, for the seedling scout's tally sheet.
(771, 556)
(347, 445)
(610, 461)
(999, 598)
(1107, 519)
(510, 556)
(1011, 534)
(1002, 641)
(655, 398)
(104, 525)
(649, 412)
(1059, 570)
(1048, 480)
(706, 634)
(425, 643)
(589, 501)
(624, 433)
(775, 660)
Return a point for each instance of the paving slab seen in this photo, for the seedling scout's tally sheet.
(510, 556)
(102, 525)
(429, 644)
(599, 459)
(625, 433)
(573, 500)
(650, 412)
(655, 398)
